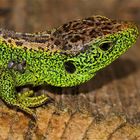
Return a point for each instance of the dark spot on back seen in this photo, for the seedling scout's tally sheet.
(40, 48)
(89, 18)
(15, 37)
(66, 26)
(92, 32)
(75, 25)
(9, 40)
(107, 27)
(5, 36)
(88, 22)
(52, 38)
(83, 32)
(98, 23)
(4, 42)
(69, 37)
(67, 47)
(57, 42)
(40, 40)
(57, 32)
(76, 38)
(18, 43)
(25, 48)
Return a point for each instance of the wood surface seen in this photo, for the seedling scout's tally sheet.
(105, 108)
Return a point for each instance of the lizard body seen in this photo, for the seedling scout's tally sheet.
(67, 56)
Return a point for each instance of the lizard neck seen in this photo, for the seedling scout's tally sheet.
(33, 41)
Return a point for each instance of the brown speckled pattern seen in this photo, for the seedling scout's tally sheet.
(70, 38)
(26, 40)
(73, 37)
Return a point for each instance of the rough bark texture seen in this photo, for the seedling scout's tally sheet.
(106, 107)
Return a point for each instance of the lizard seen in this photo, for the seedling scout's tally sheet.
(66, 56)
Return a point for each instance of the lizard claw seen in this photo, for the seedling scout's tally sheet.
(28, 101)
(24, 101)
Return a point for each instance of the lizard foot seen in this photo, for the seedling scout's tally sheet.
(24, 101)
(27, 101)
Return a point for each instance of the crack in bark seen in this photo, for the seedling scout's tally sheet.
(66, 126)
(115, 130)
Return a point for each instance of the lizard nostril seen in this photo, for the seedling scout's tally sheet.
(69, 67)
(105, 46)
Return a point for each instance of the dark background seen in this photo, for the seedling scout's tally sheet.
(106, 107)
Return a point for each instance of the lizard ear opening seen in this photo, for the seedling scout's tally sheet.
(105, 46)
(69, 67)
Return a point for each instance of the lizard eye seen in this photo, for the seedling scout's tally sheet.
(69, 67)
(105, 46)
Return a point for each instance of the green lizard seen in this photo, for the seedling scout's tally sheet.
(64, 57)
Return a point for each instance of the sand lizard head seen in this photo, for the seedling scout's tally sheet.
(90, 44)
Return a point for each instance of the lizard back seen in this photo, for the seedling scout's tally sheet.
(70, 38)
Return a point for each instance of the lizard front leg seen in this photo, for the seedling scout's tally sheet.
(23, 101)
